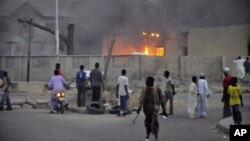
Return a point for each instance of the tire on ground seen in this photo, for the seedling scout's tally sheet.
(95, 108)
(114, 110)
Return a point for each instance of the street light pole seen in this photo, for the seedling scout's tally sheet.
(57, 33)
(29, 53)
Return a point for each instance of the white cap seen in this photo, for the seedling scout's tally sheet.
(226, 69)
(202, 74)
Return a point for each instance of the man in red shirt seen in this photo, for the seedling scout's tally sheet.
(225, 97)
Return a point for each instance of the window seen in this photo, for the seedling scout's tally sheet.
(159, 51)
(185, 51)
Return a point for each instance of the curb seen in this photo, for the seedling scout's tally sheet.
(222, 128)
(224, 124)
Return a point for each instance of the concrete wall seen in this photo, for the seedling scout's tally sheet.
(137, 66)
(219, 41)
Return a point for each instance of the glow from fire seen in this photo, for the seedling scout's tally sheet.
(146, 50)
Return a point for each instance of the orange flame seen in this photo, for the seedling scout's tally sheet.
(146, 50)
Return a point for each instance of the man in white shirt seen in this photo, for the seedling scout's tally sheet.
(239, 62)
(169, 92)
(122, 92)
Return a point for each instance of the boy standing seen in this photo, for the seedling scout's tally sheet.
(234, 91)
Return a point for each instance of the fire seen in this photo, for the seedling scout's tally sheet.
(146, 50)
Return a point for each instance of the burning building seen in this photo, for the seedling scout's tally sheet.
(153, 27)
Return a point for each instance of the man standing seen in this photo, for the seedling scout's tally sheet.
(203, 94)
(81, 87)
(169, 92)
(122, 92)
(4, 89)
(96, 82)
(225, 97)
(240, 67)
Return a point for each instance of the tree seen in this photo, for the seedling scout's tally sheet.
(109, 56)
(67, 40)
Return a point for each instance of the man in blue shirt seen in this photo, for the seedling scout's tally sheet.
(81, 86)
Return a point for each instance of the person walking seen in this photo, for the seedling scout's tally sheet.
(81, 85)
(150, 100)
(96, 81)
(4, 89)
(122, 92)
(225, 97)
(239, 62)
(203, 92)
(57, 83)
(247, 69)
(169, 92)
(192, 97)
(235, 93)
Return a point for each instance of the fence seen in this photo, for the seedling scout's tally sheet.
(137, 66)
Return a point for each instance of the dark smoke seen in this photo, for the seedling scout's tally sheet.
(97, 19)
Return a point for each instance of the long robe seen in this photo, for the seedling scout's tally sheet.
(192, 99)
(240, 67)
(202, 99)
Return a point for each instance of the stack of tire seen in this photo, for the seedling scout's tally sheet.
(95, 108)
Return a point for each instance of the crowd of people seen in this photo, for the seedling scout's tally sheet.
(152, 97)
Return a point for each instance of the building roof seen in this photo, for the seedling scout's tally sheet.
(44, 7)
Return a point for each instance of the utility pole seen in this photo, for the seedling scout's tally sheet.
(57, 33)
(29, 52)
